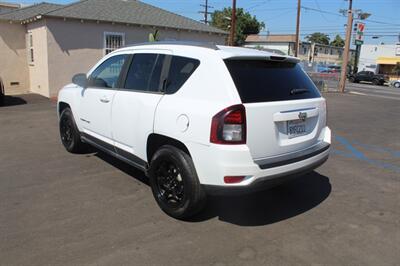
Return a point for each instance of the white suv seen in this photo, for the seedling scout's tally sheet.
(198, 118)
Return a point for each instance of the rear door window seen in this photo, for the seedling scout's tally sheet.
(181, 68)
(144, 72)
(268, 81)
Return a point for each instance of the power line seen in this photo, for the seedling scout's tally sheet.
(339, 15)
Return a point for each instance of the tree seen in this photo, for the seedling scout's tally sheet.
(245, 23)
(318, 37)
(338, 41)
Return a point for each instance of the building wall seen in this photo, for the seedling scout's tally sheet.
(75, 46)
(370, 53)
(284, 47)
(324, 54)
(13, 60)
(38, 70)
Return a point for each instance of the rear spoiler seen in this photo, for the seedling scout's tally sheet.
(278, 58)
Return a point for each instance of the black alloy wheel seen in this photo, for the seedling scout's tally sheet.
(174, 183)
(69, 133)
(66, 131)
(170, 186)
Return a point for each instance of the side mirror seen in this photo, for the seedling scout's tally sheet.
(80, 80)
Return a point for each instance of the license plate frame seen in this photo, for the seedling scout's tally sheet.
(296, 128)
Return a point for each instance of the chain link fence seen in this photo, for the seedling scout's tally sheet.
(325, 77)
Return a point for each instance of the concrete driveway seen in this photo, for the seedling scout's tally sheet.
(59, 208)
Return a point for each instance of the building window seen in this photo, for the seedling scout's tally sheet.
(31, 57)
(113, 41)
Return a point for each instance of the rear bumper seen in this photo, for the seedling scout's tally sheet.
(276, 179)
(236, 160)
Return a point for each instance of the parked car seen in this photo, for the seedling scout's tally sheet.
(395, 83)
(1, 91)
(323, 69)
(198, 119)
(334, 68)
(368, 76)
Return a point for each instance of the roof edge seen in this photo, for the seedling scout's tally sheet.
(46, 15)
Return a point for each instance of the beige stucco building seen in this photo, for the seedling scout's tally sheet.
(43, 46)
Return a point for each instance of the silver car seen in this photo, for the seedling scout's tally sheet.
(395, 83)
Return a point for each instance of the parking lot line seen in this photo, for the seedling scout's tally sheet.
(353, 152)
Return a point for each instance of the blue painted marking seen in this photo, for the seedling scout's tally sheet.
(342, 153)
(354, 153)
(378, 149)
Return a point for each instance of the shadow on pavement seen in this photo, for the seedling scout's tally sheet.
(11, 101)
(124, 167)
(269, 206)
(259, 208)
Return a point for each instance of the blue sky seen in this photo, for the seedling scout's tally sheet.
(279, 16)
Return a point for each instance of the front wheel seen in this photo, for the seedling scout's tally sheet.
(376, 82)
(175, 184)
(396, 85)
(69, 133)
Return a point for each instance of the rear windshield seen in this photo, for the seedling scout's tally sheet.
(267, 81)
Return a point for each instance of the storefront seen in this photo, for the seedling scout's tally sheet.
(387, 66)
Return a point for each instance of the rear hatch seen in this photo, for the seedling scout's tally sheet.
(284, 110)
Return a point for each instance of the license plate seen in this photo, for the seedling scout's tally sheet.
(296, 128)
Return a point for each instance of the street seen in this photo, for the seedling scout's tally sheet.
(60, 208)
(374, 91)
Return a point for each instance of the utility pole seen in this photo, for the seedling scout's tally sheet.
(233, 24)
(342, 82)
(296, 46)
(205, 12)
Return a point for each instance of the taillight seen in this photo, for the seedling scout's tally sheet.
(229, 126)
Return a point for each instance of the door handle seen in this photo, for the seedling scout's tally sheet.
(104, 100)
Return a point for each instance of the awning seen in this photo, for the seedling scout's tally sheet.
(388, 60)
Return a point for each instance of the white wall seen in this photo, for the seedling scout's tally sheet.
(39, 70)
(370, 53)
(13, 59)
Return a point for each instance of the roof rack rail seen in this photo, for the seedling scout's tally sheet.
(208, 45)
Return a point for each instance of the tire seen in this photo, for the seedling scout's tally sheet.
(174, 183)
(352, 80)
(396, 85)
(69, 133)
(376, 82)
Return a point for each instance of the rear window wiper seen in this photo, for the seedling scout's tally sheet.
(298, 91)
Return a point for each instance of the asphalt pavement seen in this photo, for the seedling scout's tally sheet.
(58, 208)
(366, 89)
